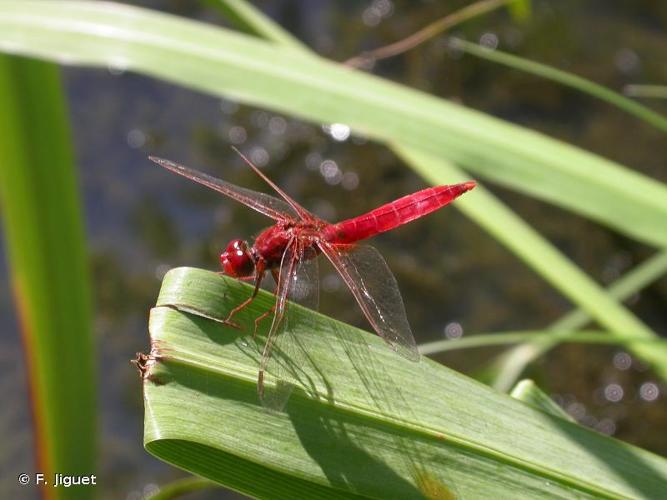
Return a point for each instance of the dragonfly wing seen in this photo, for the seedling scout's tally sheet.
(303, 213)
(374, 287)
(265, 204)
(283, 355)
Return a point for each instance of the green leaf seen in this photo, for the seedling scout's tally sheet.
(244, 16)
(536, 337)
(363, 421)
(511, 364)
(43, 230)
(485, 209)
(564, 78)
(428, 32)
(528, 392)
(264, 74)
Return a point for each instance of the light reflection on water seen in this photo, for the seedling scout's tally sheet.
(649, 391)
(453, 330)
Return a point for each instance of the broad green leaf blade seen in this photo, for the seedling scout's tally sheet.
(563, 77)
(47, 260)
(363, 421)
(507, 227)
(528, 392)
(261, 73)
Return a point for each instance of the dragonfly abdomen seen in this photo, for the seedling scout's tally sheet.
(395, 213)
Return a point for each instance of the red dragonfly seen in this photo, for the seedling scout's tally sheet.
(289, 248)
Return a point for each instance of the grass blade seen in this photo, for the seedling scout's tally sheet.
(261, 73)
(244, 16)
(564, 78)
(528, 244)
(511, 364)
(47, 259)
(430, 31)
(537, 337)
(528, 392)
(363, 421)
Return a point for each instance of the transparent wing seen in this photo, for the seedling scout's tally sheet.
(303, 213)
(283, 355)
(373, 285)
(265, 204)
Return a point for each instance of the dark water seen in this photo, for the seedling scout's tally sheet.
(142, 221)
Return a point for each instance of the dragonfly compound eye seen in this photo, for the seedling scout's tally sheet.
(236, 260)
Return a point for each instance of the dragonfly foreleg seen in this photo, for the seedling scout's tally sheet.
(259, 274)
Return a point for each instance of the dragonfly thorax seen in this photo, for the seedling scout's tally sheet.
(237, 260)
(271, 244)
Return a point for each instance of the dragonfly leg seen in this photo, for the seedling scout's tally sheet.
(259, 319)
(274, 273)
(259, 273)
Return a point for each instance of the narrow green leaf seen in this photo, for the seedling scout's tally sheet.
(47, 261)
(246, 17)
(528, 392)
(537, 337)
(362, 421)
(524, 241)
(428, 32)
(511, 364)
(261, 73)
(564, 78)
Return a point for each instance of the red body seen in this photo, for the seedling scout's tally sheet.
(271, 243)
(395, 213)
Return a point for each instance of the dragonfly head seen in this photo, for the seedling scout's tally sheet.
(236, 260)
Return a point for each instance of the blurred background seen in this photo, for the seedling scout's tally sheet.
(455, 279)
